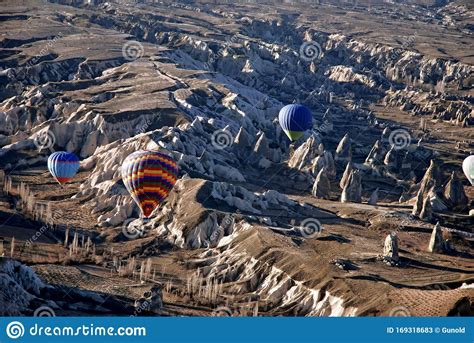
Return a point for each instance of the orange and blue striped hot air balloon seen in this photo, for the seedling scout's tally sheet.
(63, 165)
(149, 177)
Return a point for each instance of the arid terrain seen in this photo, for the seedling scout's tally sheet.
(368, 214)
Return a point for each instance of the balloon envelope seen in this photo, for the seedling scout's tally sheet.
(63, 165)
(149, 177)
(468, 168)
(295, 119)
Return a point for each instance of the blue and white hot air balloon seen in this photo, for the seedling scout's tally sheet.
(63, 165)
(468, 168)
(295, 119)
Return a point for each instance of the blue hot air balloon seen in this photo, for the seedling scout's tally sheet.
(295, 119)
(63, 165)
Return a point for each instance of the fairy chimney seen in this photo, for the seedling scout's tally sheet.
(352, 191)
(436, 244)
(322, 186)
(345, 176)
(454, 193)
(344, 150)
(431, 179)
(390, 249)
(426, 212)
(374, 198)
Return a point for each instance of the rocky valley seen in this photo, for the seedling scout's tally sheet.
(368, 213)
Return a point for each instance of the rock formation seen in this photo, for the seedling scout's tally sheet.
(243, 140)
(454, 193)
(375, 156)
(436, 244)
(385, 135)
(326, 161)
(437, 204)
(194, 78)
(151, 301)
(23, 292)
(390, 249)
(426, 212)
(419, 103)
(329, 164)
(261, 147)
(344, 150)
(321, 149)
(345, 175)
(318, 165)
(431, 180)
(352, 191)
(305, 153)
(322, 186)
(263, 153)
(374, 198)
(391, 160)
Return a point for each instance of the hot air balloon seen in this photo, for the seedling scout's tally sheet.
(63, 165)
(468, 168)
(149, 177)
(295, 119)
